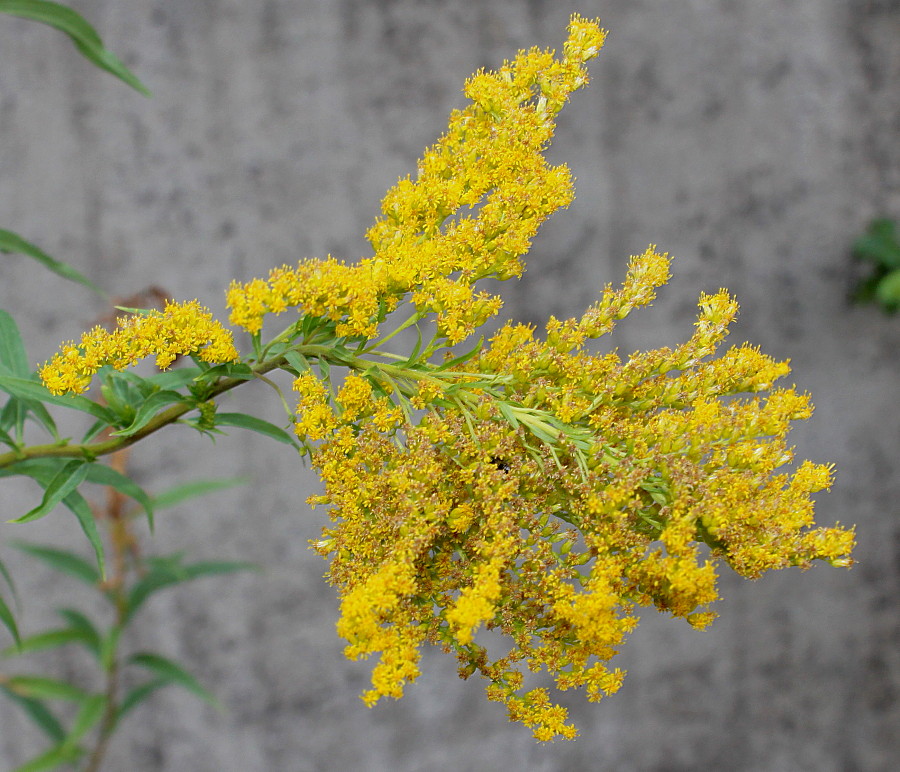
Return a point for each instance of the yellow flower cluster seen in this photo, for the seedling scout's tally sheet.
(180, 328)
(481, 192)
(547, 511)
(516, 505)
(547, 490)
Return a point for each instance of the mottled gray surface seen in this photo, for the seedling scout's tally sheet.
(752, 140)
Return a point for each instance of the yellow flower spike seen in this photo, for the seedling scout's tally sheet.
(180, 328)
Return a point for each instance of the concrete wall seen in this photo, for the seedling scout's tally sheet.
(752, 140)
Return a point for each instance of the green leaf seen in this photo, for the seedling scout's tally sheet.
(106, 475)
(9, 621)
(95, 428)
(216, 567)
(238, 370)
(48, 640)
(193, 489)
(66, 480)
(13, 415)
(7, 577)
(880, 244)
(41, 687)
(166, 572)
(44, 470)
(24, 388)
(17, 409)
(11, 243)
(325, 370)
(6, 438)
(108, 648)
(39, 713)
(508, 413)
(140, 693)
(456, 361)
(417, 348)
(888, 290)
(173, 673)
(149, 409)
(297, 361)
(83, 35)
(90, 712)
(170, 380)
(55, 757)
(60, 560)
(254, 424)
(76, 504)
(78, 621)
(12, 350)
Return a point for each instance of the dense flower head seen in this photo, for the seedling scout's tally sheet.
(180, 328)
(546, 507)
(538, 491)
(515, 503)
(479, 197)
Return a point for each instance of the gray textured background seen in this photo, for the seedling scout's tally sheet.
(751, 140)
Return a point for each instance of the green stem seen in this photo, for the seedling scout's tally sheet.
(93, 450)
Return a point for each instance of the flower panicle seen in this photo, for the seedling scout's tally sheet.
(544, 509)
(533, 491)
(481, 193)
(180, 328)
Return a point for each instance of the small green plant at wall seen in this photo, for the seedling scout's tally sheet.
(513, 501)
(880, 246)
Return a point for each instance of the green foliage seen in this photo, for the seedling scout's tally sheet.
(82, 34)
(100, 711)
(880, 246)
(11, 243)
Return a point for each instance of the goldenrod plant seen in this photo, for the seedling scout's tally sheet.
(512, 501)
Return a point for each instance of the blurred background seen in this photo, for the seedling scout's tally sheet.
(753, 141)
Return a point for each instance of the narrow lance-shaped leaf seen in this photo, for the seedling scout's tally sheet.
(66, 480)
(171, 380)
(149, 409)
(45, 471)
(193, 489)
(11, 243)
(38, 713)
(167, 573)
(7, 439)
(90, 712)
(52, 759)
(108, 648)
(4, 572)
(255, 424)
(21, 406)
(140, 693)
(106, 475)
(297, 361)
(174, 673)
(456, 361)
(83, 35)
(50, 639)
(41, 687)
(9, 621)
(238, 370)
(78, 621)
(61, 560)
(12, 350)
(32, 390)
